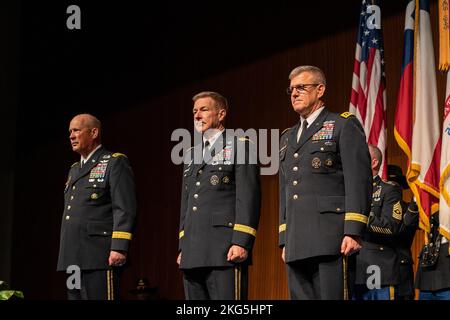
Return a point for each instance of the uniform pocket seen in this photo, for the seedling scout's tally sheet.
(96, 196)
(99, 229)
(222, 220)
(323, 156)
(331, 204)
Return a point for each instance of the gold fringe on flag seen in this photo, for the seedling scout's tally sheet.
(444, 35)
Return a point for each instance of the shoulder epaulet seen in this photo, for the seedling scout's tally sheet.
(117, 154)
(285, 130)
(73, 165)
(347, 114)
(243, 139)
(392, 183)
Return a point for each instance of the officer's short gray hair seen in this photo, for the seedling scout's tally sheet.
(90, 121)
(318, 74)
(221, 101)
(375, 152)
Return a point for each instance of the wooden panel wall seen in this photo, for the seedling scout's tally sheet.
(256, 92)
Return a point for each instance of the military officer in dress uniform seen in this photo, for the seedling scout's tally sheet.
(325, 189)
(220, 207)
(99, 213)
(379, 240)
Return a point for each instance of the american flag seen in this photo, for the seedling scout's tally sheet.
(368, 96)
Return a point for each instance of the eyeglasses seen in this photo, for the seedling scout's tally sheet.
(301, 88)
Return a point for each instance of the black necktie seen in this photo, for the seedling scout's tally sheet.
(206, 145)
(304, 127)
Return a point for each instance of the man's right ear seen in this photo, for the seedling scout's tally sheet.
(94, 132)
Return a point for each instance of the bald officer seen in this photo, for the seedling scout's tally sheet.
(99, 214)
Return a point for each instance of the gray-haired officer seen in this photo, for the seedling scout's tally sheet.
(220, 207)
(379, 246)
(99, 213)
(325, 189)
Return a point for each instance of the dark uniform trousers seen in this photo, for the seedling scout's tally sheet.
(220, 207)
(379, 243)
(97, 285)
(214, 283)
(325, 183)
(99, 214)
(315, 278)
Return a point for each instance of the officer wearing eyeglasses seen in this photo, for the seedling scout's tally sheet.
(325, 185)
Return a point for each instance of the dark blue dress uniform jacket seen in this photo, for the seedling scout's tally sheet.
(379, 246)
(220, 203)
(325, 184)
(99, 211)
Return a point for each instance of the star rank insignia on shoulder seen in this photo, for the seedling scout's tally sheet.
(347, 114)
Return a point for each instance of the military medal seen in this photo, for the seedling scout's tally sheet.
(376, 195)
(328, 162)
(94, 196)
(99, 171)
(316, 163)
(326, 133)
(214, 180)
(226, 180)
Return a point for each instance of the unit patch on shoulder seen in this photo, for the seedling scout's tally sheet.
(347, 114)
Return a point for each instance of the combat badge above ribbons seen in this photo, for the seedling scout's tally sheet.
(326, 132)
(316, 163)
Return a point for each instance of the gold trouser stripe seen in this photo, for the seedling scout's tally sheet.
(181, 235)
(282, 228)
(354, 216)
(391, 292)
(108, 285)
(112, 285)
(244, 228)
(344, 267)
(237, 282)
(122, 235)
